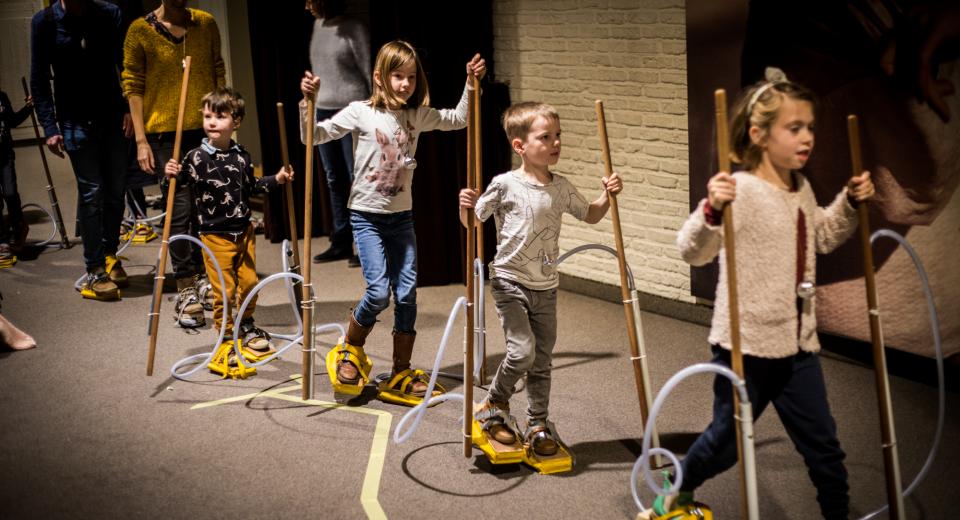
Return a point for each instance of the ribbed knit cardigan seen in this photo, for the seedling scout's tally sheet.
(152, 70)
(765, 225)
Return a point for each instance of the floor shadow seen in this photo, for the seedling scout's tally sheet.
(513, 474)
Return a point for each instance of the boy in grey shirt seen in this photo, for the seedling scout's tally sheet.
(528, 204)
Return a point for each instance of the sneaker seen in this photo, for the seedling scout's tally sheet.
(99, 284)
(5, 252)
(116, 272)
(204, 291)
(332, 254)
(188, 307)
(354, 261)
(254, 337)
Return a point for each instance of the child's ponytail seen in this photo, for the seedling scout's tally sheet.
(758, 106)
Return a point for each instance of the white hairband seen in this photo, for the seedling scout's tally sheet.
(773, 76)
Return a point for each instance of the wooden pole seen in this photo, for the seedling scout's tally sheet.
(307, 302)
(636, 359)
(891, 462)
(733, 305)
(51, 193)
(164, 242)
(478, 184)
(472, 151)
(288, 202)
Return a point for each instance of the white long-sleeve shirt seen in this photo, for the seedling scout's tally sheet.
(385, 140)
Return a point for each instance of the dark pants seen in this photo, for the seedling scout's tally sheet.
(795, 387)
(187, 259)
(10, 196)
(337, 160)
(98, 154)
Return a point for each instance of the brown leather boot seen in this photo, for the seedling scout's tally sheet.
(347, 372)
(402, 351)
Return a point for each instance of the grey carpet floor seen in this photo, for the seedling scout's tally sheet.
(85, 434)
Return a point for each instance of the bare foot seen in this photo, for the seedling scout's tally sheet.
(14, 337)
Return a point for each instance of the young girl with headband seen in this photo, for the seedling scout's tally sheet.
(779, 231)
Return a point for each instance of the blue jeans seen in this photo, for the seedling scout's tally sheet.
(387, 246)
(98, 153)
(337, 160)
(796, 388)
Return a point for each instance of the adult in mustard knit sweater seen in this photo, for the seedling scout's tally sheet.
(153, 57)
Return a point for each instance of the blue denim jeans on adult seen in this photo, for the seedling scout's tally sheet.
(387, 246)
(337, 161)
(98, 153)
(796, 388)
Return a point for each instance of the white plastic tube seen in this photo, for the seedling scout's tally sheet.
(746, 431)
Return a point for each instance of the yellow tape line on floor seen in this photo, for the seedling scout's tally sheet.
(378, 450)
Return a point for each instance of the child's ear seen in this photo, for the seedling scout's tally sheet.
(376, 78)
(517, 144)
(757, 135)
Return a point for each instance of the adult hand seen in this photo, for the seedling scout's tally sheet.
(145, 157)
(127, 126)
(55, 144)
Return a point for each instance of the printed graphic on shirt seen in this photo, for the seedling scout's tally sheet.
(390, 173)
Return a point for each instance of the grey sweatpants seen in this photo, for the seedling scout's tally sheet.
(529, 320)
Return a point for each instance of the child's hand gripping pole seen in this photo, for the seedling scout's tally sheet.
(638, 358)
(736, 354)
(307, 306)
(288, 202)
(164, 242)
(891, 462)
(473, 162)
(51, 193)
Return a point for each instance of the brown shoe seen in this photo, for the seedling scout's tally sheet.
(116, 271)
(493, 417)
(99, 283)
(347, 371)
(402, 352)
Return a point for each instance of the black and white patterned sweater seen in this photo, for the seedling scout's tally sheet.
(223, 183)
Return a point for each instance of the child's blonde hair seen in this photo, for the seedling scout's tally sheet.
(391, 57)
(225, 100)
(518, 119)
(758, 106)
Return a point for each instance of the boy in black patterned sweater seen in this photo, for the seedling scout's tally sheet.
(222, 175)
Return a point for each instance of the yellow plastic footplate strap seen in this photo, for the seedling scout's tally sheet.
(226, 363)
(496, 452)
(347, 352)
(8, 262)
(559, 462)
(694, 511)
(394, 389)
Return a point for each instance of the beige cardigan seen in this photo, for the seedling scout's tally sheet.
(765, 221)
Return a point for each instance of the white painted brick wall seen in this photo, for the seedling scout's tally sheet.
(632, 55)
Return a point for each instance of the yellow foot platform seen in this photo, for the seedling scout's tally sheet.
(496, 452)
(8, 262)
(559, 462)
(347, 352)
(226, 364)
(104, 297)
(393, 389)
(141, 234)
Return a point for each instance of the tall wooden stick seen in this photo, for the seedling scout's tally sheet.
(637, 360)
(891, 462)
(307, 302)
(478, 184)
(288, 202)
(472, 152)
(733, 301)
(51, 193)
(164, 242)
